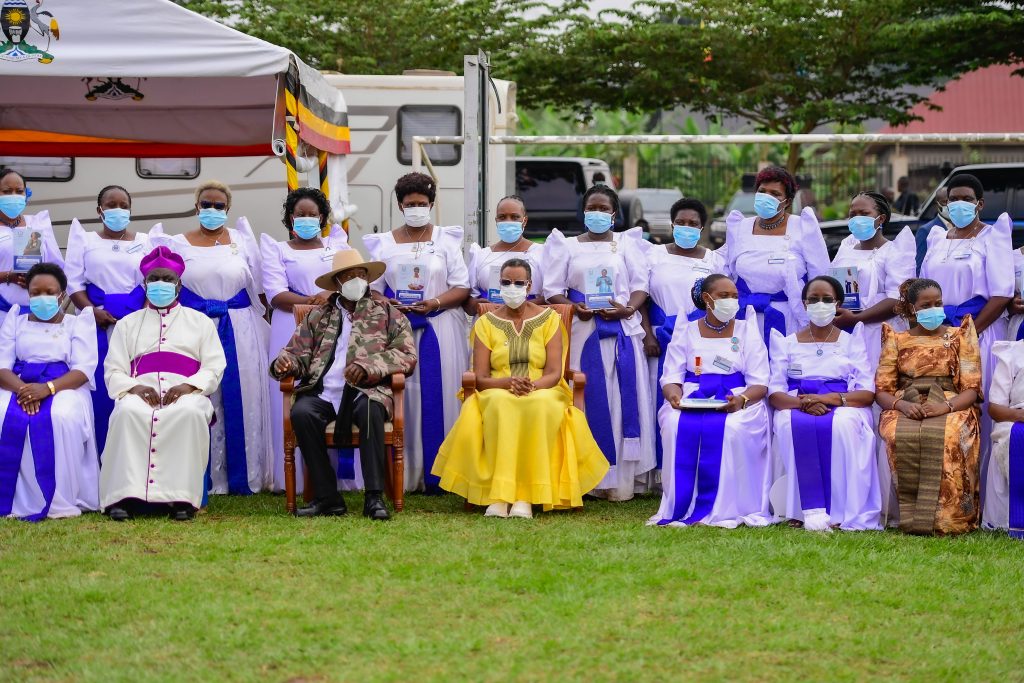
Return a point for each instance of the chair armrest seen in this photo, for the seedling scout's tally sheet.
(398, 394)
(468, 384)
(579, 383)
(287, 386)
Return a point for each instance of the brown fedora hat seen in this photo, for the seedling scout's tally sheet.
(345, 260)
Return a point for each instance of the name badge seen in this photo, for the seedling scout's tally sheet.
(796, 369)
(777, 259)
(134, 248)
(722, 363)
(701, 269)
(328, 254)
(962, 257)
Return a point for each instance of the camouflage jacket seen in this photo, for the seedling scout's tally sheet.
(381, 343)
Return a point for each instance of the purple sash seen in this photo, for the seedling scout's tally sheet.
(117, 305)
(165, 361)
(39, 429)
(230, 386)
(972, 307)
(700, 436)
(1016, 524)
(812, 445)
(431, 393)
(6, 306)
(595, 394)
(774, 319)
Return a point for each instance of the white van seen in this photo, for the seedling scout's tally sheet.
(384, 113)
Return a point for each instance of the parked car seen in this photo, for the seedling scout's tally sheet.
(552, 188)
(1004, 191)
(652, 205)
(742, 201)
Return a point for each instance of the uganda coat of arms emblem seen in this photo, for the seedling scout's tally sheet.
(19, 23)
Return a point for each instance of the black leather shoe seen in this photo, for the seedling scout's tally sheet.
(323, 508)
(118, 514)
(182, 512)
(375, 508)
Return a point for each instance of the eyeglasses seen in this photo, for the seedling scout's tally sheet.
(517, 283)
(220, 206)
(820, 300)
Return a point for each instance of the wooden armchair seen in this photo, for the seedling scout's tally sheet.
(576, 379)
(394, 438)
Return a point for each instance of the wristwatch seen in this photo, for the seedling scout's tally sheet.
(842, 398)
(746, 400)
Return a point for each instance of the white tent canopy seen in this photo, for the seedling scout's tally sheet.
(150, 78)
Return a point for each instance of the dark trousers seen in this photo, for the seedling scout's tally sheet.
(310, 417)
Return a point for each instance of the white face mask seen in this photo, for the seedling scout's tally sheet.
(416, 216)
(821, 314)
(354, 289)
(513, 296)
(726, 309)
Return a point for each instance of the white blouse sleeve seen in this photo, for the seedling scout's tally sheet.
(474, 284)
(676, 356)
(902, 264)
(84, 354)
(275, 279)
(755, 354)
(812, 243)
(636, 260)
(373, 246)
(117, 373)
(555, 264)
(779, 382)
(862, 378)
(729, 250)
(74, 266)
(1002, 377)
(536, 253)
(999, 258)
(252, 253)
(51, 250)
(8, 333)
(458, 274)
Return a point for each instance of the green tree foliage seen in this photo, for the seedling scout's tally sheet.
(789, 66)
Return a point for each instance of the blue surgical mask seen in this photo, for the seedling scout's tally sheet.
(931, 318)
(306, 227)
(765, 205)
(862, 227)
(161, 294)
(685, 236)
(212, 218)
(962, 213)
(44, 306)
(117, 219)
(12, 204)
(597, 222)
(509, 232)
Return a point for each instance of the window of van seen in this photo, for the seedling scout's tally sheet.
(59, 169)
(187, 167)
(429, 119)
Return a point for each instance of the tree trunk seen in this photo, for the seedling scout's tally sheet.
(793, 160)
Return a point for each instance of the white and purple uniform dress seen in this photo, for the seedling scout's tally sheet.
(108, 272)
(716, 469)
(11, 294)
(878, 274)
(1004, 502)
(485, 268)
(828, 463)
(224, 282)
(1015, 326)
(670, 281)
(770, 270)
(48, 461)
(970, 271)
(421, 271)
(618, 397)
(293, 270)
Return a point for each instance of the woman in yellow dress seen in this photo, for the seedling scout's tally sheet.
(928, 384)
(519, 441)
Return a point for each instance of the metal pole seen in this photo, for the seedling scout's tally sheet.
(483, 126)
(820, 138)
(470, 141)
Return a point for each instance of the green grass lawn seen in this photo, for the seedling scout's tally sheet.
(248, 593)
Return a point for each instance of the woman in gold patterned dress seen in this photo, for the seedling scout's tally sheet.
(519, 441)
(928, 384)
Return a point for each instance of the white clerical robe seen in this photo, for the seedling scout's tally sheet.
(160, 456)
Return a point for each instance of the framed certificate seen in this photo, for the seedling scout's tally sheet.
(28, 249)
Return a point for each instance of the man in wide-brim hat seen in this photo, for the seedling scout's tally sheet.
(343, 355)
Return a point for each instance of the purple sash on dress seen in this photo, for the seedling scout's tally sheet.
(955, 314)
(119, 306)
(595, 394)
(774, 319)
(812, 445)
(39, 429)
(165, 361)
(6, 306)
(700, 437)
(1016, 482)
